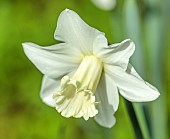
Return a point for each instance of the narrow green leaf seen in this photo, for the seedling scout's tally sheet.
(156, 25)
(133, 30)
(133, 118)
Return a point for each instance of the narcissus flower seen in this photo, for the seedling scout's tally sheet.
(83, 74)
(106, 5)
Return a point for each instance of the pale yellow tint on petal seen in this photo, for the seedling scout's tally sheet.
(76, 95)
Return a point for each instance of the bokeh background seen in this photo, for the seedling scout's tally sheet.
(22, 113)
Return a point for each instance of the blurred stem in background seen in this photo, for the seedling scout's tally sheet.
(156, 24)
(132, 25)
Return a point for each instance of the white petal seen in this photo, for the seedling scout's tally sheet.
(73, 30)
(109, 87)
(132, 71)
(53, 61)
(131, 85)
(48, 88)
(112, 91)
(105, 4)
(99, 45)
(105, 116)
(116, 54)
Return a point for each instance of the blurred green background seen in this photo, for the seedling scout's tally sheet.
(22, 113)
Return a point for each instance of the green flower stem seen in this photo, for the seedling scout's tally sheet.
(143, 122)
(137, 117)
(134, 120)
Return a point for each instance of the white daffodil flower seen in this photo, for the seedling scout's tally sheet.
(106, 5)
(83, 74)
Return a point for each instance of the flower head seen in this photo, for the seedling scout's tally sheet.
(83, 74)
(106, 5)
